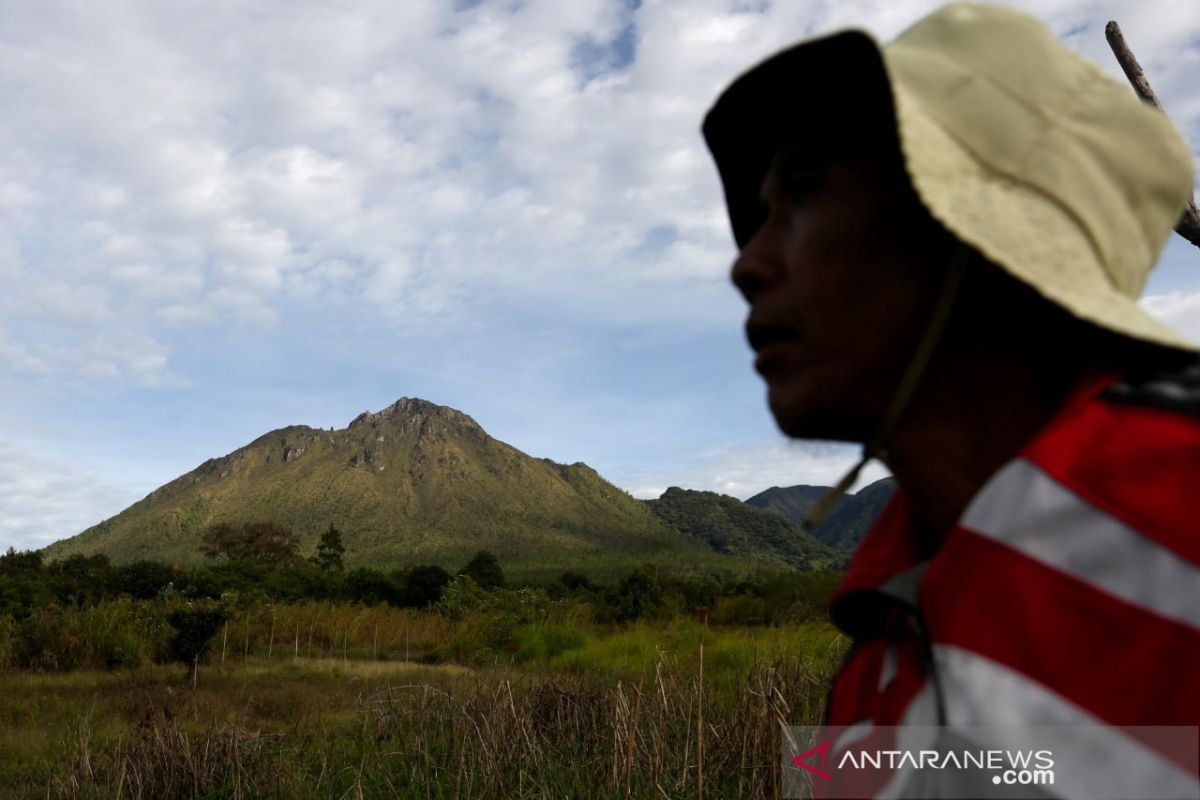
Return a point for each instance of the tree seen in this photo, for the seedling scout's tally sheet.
(194, 632)
(143, 580)
(370, 587)
(574, 582)
(15, 562)
(23, 584)
(80, 579)
(330, 550)
(261, 542)
(638, 593)
(424, 585)
(484, 569)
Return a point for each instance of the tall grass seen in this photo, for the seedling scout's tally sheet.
(130, 633)
(484, 734)
(329, 700)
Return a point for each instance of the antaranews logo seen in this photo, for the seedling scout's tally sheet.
(822, 750)
(1142, 763)
(1019, 767)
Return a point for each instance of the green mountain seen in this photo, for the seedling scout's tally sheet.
(850, 519)
(414, 483)
(730, 526)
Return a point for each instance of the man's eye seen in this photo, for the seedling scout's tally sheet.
(798, 184)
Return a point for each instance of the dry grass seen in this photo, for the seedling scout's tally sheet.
(327, 727)
(321, 700)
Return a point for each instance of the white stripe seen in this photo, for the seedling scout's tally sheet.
(982, 692)
(889, 668)
(993, 706)
(1027, 510)
(852, 733)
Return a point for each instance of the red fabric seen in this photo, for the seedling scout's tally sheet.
(890, 548)
(1124, 664)
(885, 705)
(1137, 463)
(1088, 646)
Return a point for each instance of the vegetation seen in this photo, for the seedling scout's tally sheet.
(369, 682)
(613, 716)
(420, 483)
(730, 526)
(414, 484)
(330, 551)
(852, 516)
(569, 689)
(484, 569)
(195, 628)
(262, 542)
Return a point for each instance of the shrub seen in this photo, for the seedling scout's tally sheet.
(195, 628)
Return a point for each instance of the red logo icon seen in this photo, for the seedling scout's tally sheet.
(821, 750)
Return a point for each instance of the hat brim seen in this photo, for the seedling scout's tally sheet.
(829, 91)
(815, 94)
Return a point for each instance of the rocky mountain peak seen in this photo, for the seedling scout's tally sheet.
(418, 413)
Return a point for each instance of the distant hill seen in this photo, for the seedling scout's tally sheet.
(414, 483)
(730, 526)
(850, 519)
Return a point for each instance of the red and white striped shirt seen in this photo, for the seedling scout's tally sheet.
(1067, 594)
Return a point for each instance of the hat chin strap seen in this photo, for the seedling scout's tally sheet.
(875, 446)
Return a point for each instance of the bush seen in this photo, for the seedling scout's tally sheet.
(195, 628)
(143, 579)
(484, 569)
(424, 586)
(543, 642)
(462, 596)
(113, 634)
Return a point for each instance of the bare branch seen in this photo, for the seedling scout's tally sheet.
(1189, 224)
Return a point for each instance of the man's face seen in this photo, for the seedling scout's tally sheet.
(841, 278)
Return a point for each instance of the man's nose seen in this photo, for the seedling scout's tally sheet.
(758, 266)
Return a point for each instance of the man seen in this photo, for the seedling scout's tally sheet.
(942, 243)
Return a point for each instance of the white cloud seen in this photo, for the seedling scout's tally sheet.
(169, 165)
(43, 500)
(1179, 309)
(169, 170)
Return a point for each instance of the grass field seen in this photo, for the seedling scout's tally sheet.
(555, 709)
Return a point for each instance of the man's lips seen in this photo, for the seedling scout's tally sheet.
(760, 335)
(770, 343)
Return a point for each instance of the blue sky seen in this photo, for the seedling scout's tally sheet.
(217, 219)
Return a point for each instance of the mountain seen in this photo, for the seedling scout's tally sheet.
(730, 526)
(850, 519)
(414, 483)
(792, 502)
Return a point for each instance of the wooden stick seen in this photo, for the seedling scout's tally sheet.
(1189, 224)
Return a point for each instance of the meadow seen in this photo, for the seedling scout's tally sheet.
(328, 706)
(529, 692)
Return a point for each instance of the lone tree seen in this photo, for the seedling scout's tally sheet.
(260, 542)
(484, 569)
(330, 550)
(424, 585)
(194, 632)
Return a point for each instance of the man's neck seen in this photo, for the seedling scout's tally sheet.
(967, 421)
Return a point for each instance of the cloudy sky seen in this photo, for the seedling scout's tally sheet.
(220, 218)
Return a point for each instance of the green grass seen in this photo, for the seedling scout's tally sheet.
(566, 709)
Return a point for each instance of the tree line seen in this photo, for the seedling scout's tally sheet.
(262, 559)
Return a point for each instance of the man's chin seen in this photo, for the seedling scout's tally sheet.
(809, 420)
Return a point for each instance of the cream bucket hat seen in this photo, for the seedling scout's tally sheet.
(1021, 148)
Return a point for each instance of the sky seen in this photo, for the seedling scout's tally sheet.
(221, 218)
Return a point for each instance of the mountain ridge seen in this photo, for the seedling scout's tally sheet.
(415, 482)
(848, 522)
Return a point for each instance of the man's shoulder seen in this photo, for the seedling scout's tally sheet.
(1174, 390)
(1132, 451)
